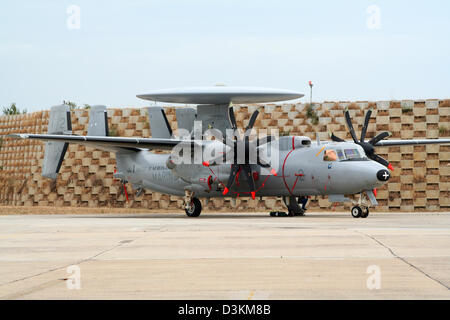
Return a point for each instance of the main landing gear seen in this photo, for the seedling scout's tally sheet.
(192, 206)
(358, 212)
(194, 209)
(296, 207)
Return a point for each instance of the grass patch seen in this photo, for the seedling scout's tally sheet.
(407, 109)
(444, 131)
(311, 114)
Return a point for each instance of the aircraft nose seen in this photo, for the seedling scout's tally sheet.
(383, 175)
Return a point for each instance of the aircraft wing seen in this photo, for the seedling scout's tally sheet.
(106, 142)
(389, 143)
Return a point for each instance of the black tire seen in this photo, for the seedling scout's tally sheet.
(356, 212)
(365, 213)
(196, 208)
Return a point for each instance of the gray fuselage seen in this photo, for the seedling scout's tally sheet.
(300, 171)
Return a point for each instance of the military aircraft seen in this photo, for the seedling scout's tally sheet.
(291, 167)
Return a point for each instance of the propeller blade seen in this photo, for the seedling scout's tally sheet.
(366, 124)
(250, 180)
(379, 159)
(125, 190)
(233, 173)
(232, 118)
(264, 140)
(379, 137)
(348, 121)
(336, 139)
(251, 123)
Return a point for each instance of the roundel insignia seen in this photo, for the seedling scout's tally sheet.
(383, 175)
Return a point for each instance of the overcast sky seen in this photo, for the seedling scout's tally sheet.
(351, 50)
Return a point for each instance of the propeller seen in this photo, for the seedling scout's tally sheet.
(249, 146)
(125, 190)
(367, 146)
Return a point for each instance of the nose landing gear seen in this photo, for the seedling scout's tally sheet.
(361, 208)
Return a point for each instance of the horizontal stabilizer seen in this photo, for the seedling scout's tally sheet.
(106, 143)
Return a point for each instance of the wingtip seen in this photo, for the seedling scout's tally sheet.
(17, 135)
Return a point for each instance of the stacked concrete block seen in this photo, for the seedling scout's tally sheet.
(419, 182)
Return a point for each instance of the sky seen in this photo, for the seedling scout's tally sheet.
(106, 52)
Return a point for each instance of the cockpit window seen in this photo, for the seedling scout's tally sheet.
(352, 153)
(329, 155)
(340, 154)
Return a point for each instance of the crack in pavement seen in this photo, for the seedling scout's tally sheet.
(403, 259)
(121, 243)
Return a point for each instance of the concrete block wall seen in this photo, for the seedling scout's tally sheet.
(420, 181)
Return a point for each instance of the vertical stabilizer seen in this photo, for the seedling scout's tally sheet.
(186, 118)
(60, 123)
(98, 121)
(159, 125)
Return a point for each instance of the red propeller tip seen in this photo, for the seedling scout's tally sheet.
(273, 172)
(225, 191)
(374, 192)
(390, 167)
(126, 193)
(253, 195)
(206, 163)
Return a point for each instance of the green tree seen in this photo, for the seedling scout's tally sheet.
(74, 106)
(13, 110)
(71, 104)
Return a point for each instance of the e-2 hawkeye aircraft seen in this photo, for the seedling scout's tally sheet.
(291, 167)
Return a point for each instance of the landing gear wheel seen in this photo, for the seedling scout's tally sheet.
(365, 213)
(195, 209)
(356, 212)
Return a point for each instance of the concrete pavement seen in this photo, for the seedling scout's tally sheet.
(226, 256)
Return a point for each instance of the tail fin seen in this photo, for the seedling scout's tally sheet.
(159, 125)
(98, 121)
(186, 118)
(60, 123)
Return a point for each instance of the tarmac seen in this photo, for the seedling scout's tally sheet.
(225, 256)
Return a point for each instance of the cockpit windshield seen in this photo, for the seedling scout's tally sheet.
(352, 153)
(338, 154)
